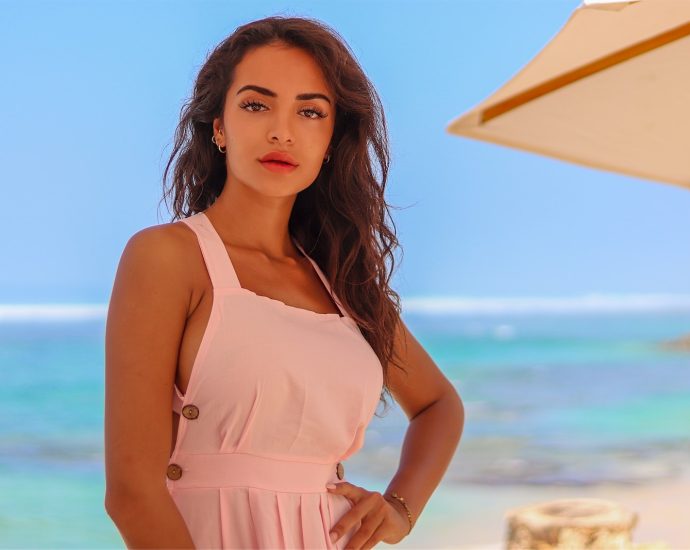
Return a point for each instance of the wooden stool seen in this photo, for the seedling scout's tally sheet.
(571, 523)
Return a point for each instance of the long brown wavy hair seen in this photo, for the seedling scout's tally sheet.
(340, 219)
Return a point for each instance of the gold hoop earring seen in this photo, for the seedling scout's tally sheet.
(213, 139)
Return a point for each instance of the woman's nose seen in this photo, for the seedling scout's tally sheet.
(281, 129)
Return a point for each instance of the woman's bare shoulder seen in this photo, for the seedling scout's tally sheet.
(168, 257)
(175, 237)
(167, 244)
(161, 270)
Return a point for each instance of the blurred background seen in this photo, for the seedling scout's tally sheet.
(544, 290)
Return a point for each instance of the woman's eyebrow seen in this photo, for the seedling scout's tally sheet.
(271, 93)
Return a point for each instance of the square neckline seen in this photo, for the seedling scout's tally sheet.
(341, 315)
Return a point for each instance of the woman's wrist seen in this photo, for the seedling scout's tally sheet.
(401, 506)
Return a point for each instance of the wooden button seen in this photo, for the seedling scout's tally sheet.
(190, 411)
(174, 471)
(340, 470)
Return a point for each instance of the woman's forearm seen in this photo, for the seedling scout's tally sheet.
(429, 445)
(150, 520)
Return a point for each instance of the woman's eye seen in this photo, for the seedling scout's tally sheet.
(251, 104)
(317, 113)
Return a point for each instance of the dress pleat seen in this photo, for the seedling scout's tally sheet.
(310, 535)
(264, 509)
(299, 528)
(285, 528)
(224, 525)
(327, 519)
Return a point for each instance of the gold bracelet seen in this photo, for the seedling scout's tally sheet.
(409, 515)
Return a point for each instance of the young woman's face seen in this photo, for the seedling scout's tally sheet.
(273, 118)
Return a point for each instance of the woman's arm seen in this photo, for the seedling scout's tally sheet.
(146, 318)
(437, 418)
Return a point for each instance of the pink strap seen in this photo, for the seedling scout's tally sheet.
(323, 278)
(215, 255)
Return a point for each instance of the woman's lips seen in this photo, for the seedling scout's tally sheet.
(276, 166)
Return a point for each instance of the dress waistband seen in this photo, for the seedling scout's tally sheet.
(249, 470)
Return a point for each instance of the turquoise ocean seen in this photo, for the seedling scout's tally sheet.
(567, 399)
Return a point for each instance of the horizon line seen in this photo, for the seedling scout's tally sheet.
(425, 305)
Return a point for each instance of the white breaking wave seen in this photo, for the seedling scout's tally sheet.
(52, 312)
(586, 303)
(456, 305)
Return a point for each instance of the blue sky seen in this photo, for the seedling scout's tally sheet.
(92, 93)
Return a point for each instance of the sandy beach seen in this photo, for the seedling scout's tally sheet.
(472, 516)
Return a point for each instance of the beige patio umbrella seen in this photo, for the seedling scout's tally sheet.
(611, 90)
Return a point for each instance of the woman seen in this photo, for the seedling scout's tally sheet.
(265, 315)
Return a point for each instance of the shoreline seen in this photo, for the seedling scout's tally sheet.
(473, 516)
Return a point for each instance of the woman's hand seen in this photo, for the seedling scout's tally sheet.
(381, 520)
